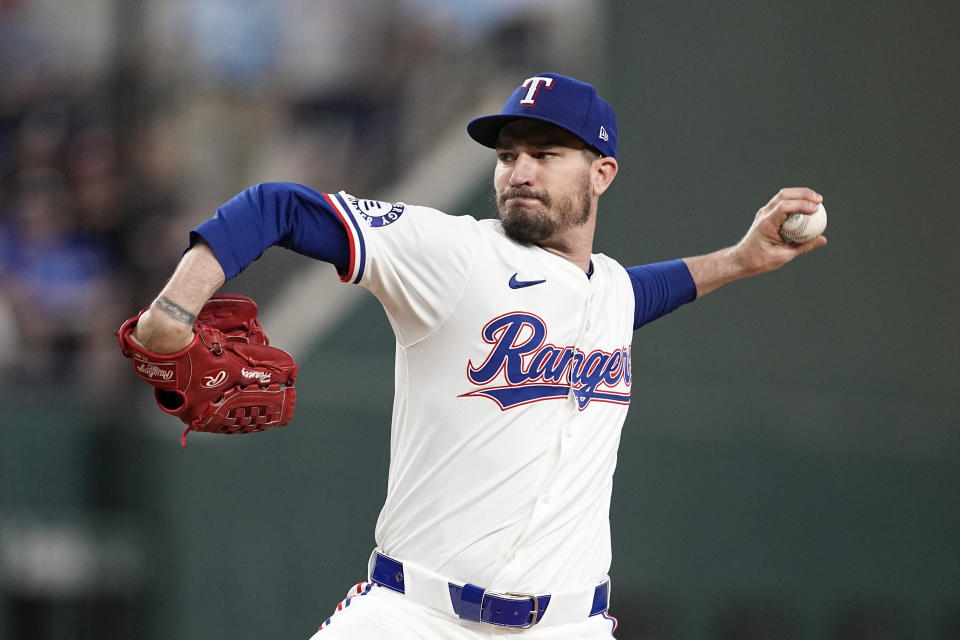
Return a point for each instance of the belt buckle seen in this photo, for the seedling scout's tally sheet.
(536, 607)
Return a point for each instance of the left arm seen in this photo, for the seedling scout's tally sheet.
(761, 249)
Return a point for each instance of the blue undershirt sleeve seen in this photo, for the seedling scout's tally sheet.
(274, 213)
(660, 288)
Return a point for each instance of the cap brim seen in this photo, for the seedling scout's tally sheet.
(486, 129)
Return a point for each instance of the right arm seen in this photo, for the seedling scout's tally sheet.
(268, 214)
(761, 249)
(662, 287)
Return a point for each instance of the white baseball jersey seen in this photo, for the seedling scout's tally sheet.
(512, 385)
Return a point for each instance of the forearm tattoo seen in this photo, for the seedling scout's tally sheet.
(174, 310)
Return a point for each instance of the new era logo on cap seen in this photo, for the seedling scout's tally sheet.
(560, 100)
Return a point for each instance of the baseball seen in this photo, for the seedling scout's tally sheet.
(801, 227)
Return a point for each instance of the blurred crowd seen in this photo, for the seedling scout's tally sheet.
(63, 221)
(123, 123)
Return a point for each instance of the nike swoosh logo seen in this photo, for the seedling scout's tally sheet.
(520, 284)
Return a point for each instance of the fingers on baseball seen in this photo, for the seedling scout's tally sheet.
(810, 245)
(799, 248)
(796, 193)
(783, 209)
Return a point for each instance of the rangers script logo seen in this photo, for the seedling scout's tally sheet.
(535, 370)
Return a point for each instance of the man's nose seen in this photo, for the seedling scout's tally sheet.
(524, 170)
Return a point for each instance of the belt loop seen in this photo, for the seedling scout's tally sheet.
(467, 601)
(388, 573)
(601, 598)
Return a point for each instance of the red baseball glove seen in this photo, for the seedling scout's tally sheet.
(228, 380)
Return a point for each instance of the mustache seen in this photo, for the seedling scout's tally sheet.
(523, 192)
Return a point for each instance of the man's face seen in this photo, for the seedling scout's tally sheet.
(542, 181)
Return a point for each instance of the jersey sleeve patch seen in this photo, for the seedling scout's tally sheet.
(349, 218)
(375, 213)
(358, 215)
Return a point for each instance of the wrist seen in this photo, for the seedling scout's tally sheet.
(742, 262)
(716, 269)
(159, 333)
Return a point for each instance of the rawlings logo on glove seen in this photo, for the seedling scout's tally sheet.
(154, 371)
(228, 380)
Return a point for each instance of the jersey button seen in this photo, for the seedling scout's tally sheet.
(545, 498)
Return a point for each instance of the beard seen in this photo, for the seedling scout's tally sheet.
(536, 226)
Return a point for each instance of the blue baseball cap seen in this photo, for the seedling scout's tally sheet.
(559, 100)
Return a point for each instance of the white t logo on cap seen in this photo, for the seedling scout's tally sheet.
(533, 86)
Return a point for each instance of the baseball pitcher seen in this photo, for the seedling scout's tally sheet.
(513, 367)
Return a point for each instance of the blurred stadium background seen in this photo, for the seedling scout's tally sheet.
(789, 467)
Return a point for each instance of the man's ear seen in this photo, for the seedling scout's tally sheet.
(604, 171)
